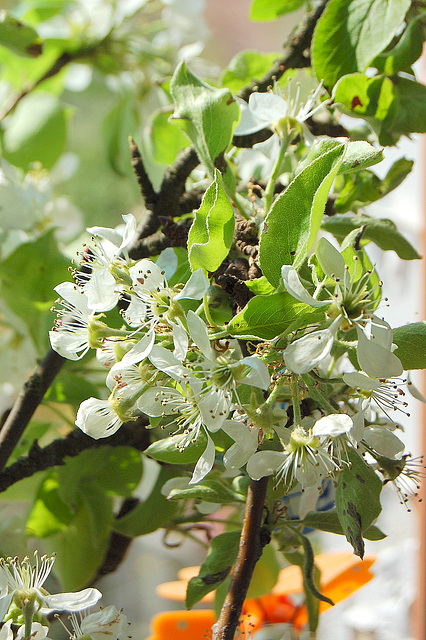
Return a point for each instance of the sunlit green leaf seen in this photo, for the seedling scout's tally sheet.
(292, 224)
(247, 67)
(350, 33)
(212, 231)
(263, 10)
(357, 500)
(166, 450)
(411, 342)
(221, 556)
(18, 37)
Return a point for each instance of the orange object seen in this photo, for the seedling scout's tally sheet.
(341, 575)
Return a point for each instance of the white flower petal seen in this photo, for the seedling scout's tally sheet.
(195, 288)
(358, 380)
(141, 350)
(129, 230)
(101, 291)
(97, 419)
(199, 334)
(180, 341)
(146, 275)
(214, 407)
(106, 624)
(259, 374)
(167, 261)
(158, 401)
(304, 354)
(268, 107)
(164, 360)
(264, 463)
(77, 601)
(375, 360)
(333, 425)
(330, 259)
(205, 463)
(72, 346)
(295, 288)
(385, 442)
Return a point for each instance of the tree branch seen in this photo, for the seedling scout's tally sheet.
(253, 539)
(294, 55)
(131, 434)
(27, 402)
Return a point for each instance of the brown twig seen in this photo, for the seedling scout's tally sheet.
(294, 56)
(253, 539)
(27, 402)
(131, 434)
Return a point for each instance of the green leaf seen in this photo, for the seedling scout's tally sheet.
(260, 286)
(41, 10)
(18, 37)
(209, 491)
(199, 108)
(357, 190)
(70, 388)
(93, 467)
(265, 573)
(383, 232)
(247, 67)
(329, 521)
(407, 50)
(211, 234)
(81, 547)
(292, 224)
(38, 267)
(166, 139)
(119, 123)
(36, 131)
(220, 558)
(266, 317)
(153, 513)
(358, 155)
(165, 450)
(50, 514)
(367, 97)
(311, 601)
(350, 33)
(410, 116)
(357, 500)
(411, 343)
(263, 10)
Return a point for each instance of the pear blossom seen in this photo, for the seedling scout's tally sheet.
(105, 264)
(304, 354)
(23, 583)
(304, 460)
(70, 337)
(97, 418)
(385, 393)
(271, 110)
(38, 631)
(106, 624)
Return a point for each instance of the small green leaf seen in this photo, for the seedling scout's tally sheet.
(166, 139)
(166, 450)
(408, 49)
(70, 388)
(410, 116)
(93, 467)
(211, 234)
(49, 514)
(294, 219)
(221, 557)
(411, 343)
(18, 37)
(81, 547)
(260, 286)
(264, 10)
(367, 97)
(384, 233)
(266, 317)
(153, 513)
(208, 491)
(247, 67)
(358, 155)
(198, 109)
(39, 266)
(329, 521)
(357, 500)
(350, 33)
(36, 131)
(119, 123)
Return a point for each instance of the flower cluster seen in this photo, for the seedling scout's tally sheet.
(170, 362)
(23, 596)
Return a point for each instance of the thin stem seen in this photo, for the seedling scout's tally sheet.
(317, 395)
(253, 539)
(294, 386)
(209, 318)
(270, 187)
